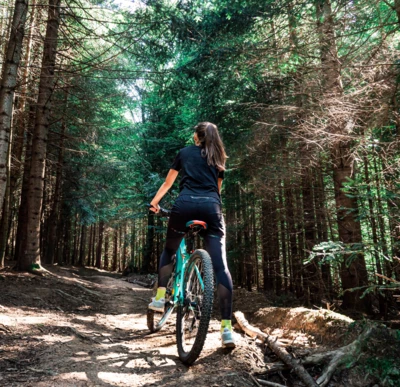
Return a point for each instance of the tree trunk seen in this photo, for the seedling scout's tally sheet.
(322, 231)
(23, 207)
(106, 248)
(381, 223)
(295, 280)
(133, 245)
(353, 268)
(241, 275)
(20, 122)
(54, 218)
(124, 247)
(381, 297)
(372, 220)
(246, 256)
(82, 248)
(100, 244)
(6, 27)
(397, 8)
(115, 250)
(8, 85)
(283, 234)
(93, 247)
(21, 116)
(75, 245)
(312, 273)
(298, 216)
(67, 241)
(4, 229)
(31, 259)
(254, 243)
(276, 265)
(147, 258)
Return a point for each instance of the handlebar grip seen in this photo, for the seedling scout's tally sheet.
(163, 211)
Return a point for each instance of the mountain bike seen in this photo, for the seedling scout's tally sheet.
(190, 291)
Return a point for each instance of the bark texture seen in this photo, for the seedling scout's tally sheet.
(8, 85)
(31, 258)
(353, 269)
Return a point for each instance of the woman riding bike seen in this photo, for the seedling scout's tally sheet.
(202, 169)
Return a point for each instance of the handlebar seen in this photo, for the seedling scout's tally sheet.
(163, 211)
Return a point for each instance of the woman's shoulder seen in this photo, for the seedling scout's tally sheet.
(189, 149)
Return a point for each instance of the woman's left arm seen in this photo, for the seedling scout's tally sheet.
(169, 181)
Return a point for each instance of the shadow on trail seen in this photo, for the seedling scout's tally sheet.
(102, 365)
(120, 364)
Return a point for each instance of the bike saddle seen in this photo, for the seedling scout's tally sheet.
(194, 223)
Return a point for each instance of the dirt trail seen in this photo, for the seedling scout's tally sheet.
(73, 328)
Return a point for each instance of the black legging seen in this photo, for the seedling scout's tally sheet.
(207, 209)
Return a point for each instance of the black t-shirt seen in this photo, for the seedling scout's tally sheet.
(197, 177)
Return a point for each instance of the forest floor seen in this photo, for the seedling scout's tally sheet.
(86, 327)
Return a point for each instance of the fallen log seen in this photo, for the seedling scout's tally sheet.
(277, 348)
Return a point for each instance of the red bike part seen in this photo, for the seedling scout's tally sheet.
(198, 223)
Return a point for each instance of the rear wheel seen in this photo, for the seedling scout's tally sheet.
(193, 317)
(156, 320)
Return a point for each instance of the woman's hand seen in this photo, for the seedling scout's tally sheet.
(154, 207)
(172, 174)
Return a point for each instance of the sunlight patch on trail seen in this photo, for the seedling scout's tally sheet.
(28, 320)
(74, 376)
(124, 378)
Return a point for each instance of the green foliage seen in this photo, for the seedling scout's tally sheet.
(336, 252)
(383, 365)
(253, 68)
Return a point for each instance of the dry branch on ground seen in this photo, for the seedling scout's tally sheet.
(277, 348)
(333, 360)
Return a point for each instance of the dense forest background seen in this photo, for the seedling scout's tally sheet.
(97, 97)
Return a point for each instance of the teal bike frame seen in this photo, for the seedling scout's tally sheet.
(181, 262)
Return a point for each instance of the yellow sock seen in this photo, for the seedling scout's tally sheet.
(160, 293)
(226, 324)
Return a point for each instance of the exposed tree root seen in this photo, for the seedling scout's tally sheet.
(273, 368)
(71, 298)
(254, 380)
(82, 335)
(334, 360)
(91, 292)
(344, 355)
(277, 348)
(38, 269)
(5, 328)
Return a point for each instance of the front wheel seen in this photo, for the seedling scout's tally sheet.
(193, 316)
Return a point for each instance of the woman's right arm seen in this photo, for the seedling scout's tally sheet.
(169, 181)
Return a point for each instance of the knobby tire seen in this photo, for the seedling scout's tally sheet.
(199, 258)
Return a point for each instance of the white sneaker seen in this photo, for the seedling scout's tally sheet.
(227, 338)
(157, 305)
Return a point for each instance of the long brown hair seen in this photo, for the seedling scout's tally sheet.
(213, 147)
